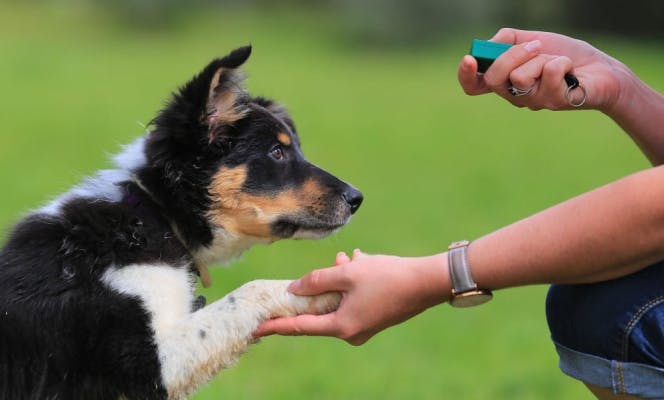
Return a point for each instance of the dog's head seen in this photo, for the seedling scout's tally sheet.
(221, 160)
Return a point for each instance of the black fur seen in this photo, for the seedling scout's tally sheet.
(63, 333)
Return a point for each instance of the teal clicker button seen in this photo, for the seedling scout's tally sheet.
(486, 52)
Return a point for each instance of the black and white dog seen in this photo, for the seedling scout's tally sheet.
(97, 288)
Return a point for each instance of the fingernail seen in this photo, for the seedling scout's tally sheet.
(467, 62)
(294, 286)
(533, 46)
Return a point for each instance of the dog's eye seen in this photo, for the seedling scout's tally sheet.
(277, 152)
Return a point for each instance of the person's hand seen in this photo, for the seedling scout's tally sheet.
(539, 60)
(378, 291)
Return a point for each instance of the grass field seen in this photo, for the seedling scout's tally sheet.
(434, 165)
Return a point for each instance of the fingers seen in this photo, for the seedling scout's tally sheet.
(358, 254)
(527, 75)
(498, 74)
(470, 82)
(326, 279)
(515, 36)
(319, 281)
(546, 75)
(505, 35)
(543, 73)
(342, 258)
(311, 325)
(553, 81)
(525, 66)
(314, 325)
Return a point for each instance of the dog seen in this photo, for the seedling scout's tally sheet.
(97, 287)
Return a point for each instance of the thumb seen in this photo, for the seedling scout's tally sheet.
(468, 79)
(320, 281)
(314, 325)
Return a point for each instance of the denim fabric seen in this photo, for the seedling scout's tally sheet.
(610, 333)
(642, 380)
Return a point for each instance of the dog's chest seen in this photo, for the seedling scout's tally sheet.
(166, 292)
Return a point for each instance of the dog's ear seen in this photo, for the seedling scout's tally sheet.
(226, 97)
(210, 99)
(277, 109)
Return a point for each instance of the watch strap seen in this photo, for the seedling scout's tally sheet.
(462, 280)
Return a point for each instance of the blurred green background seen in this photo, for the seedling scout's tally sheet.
(372, 87)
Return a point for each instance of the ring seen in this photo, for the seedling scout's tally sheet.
(516, 92)
(569, 100)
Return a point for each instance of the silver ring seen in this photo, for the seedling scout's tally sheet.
(569, 100)
(516, 92)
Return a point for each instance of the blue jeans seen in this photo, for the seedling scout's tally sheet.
(611, 334)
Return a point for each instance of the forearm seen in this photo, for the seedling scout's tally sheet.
(639, 110)
(603, 234)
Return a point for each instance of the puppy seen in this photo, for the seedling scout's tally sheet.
(97, 287)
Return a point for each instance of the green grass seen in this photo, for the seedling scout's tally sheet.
(434, 165)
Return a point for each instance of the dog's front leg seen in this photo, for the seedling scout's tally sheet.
(215, 336)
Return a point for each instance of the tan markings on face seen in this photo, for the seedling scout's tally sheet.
(284, 138)
(248, 214)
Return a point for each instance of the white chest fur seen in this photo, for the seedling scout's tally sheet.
(166, 292)
(194, 346)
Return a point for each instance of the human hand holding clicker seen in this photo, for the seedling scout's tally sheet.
(532, 73)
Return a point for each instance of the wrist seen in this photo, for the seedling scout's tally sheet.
(465, 290)
(434, 279)
(637, 110)
(621, 92)
(630, 96)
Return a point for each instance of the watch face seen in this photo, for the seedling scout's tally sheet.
(470, 299)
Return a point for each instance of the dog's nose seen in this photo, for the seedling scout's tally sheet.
(353, 197)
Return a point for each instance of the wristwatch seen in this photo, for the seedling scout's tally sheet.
(465, 292)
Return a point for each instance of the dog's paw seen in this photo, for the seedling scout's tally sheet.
(320, 304)
(273, 297)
